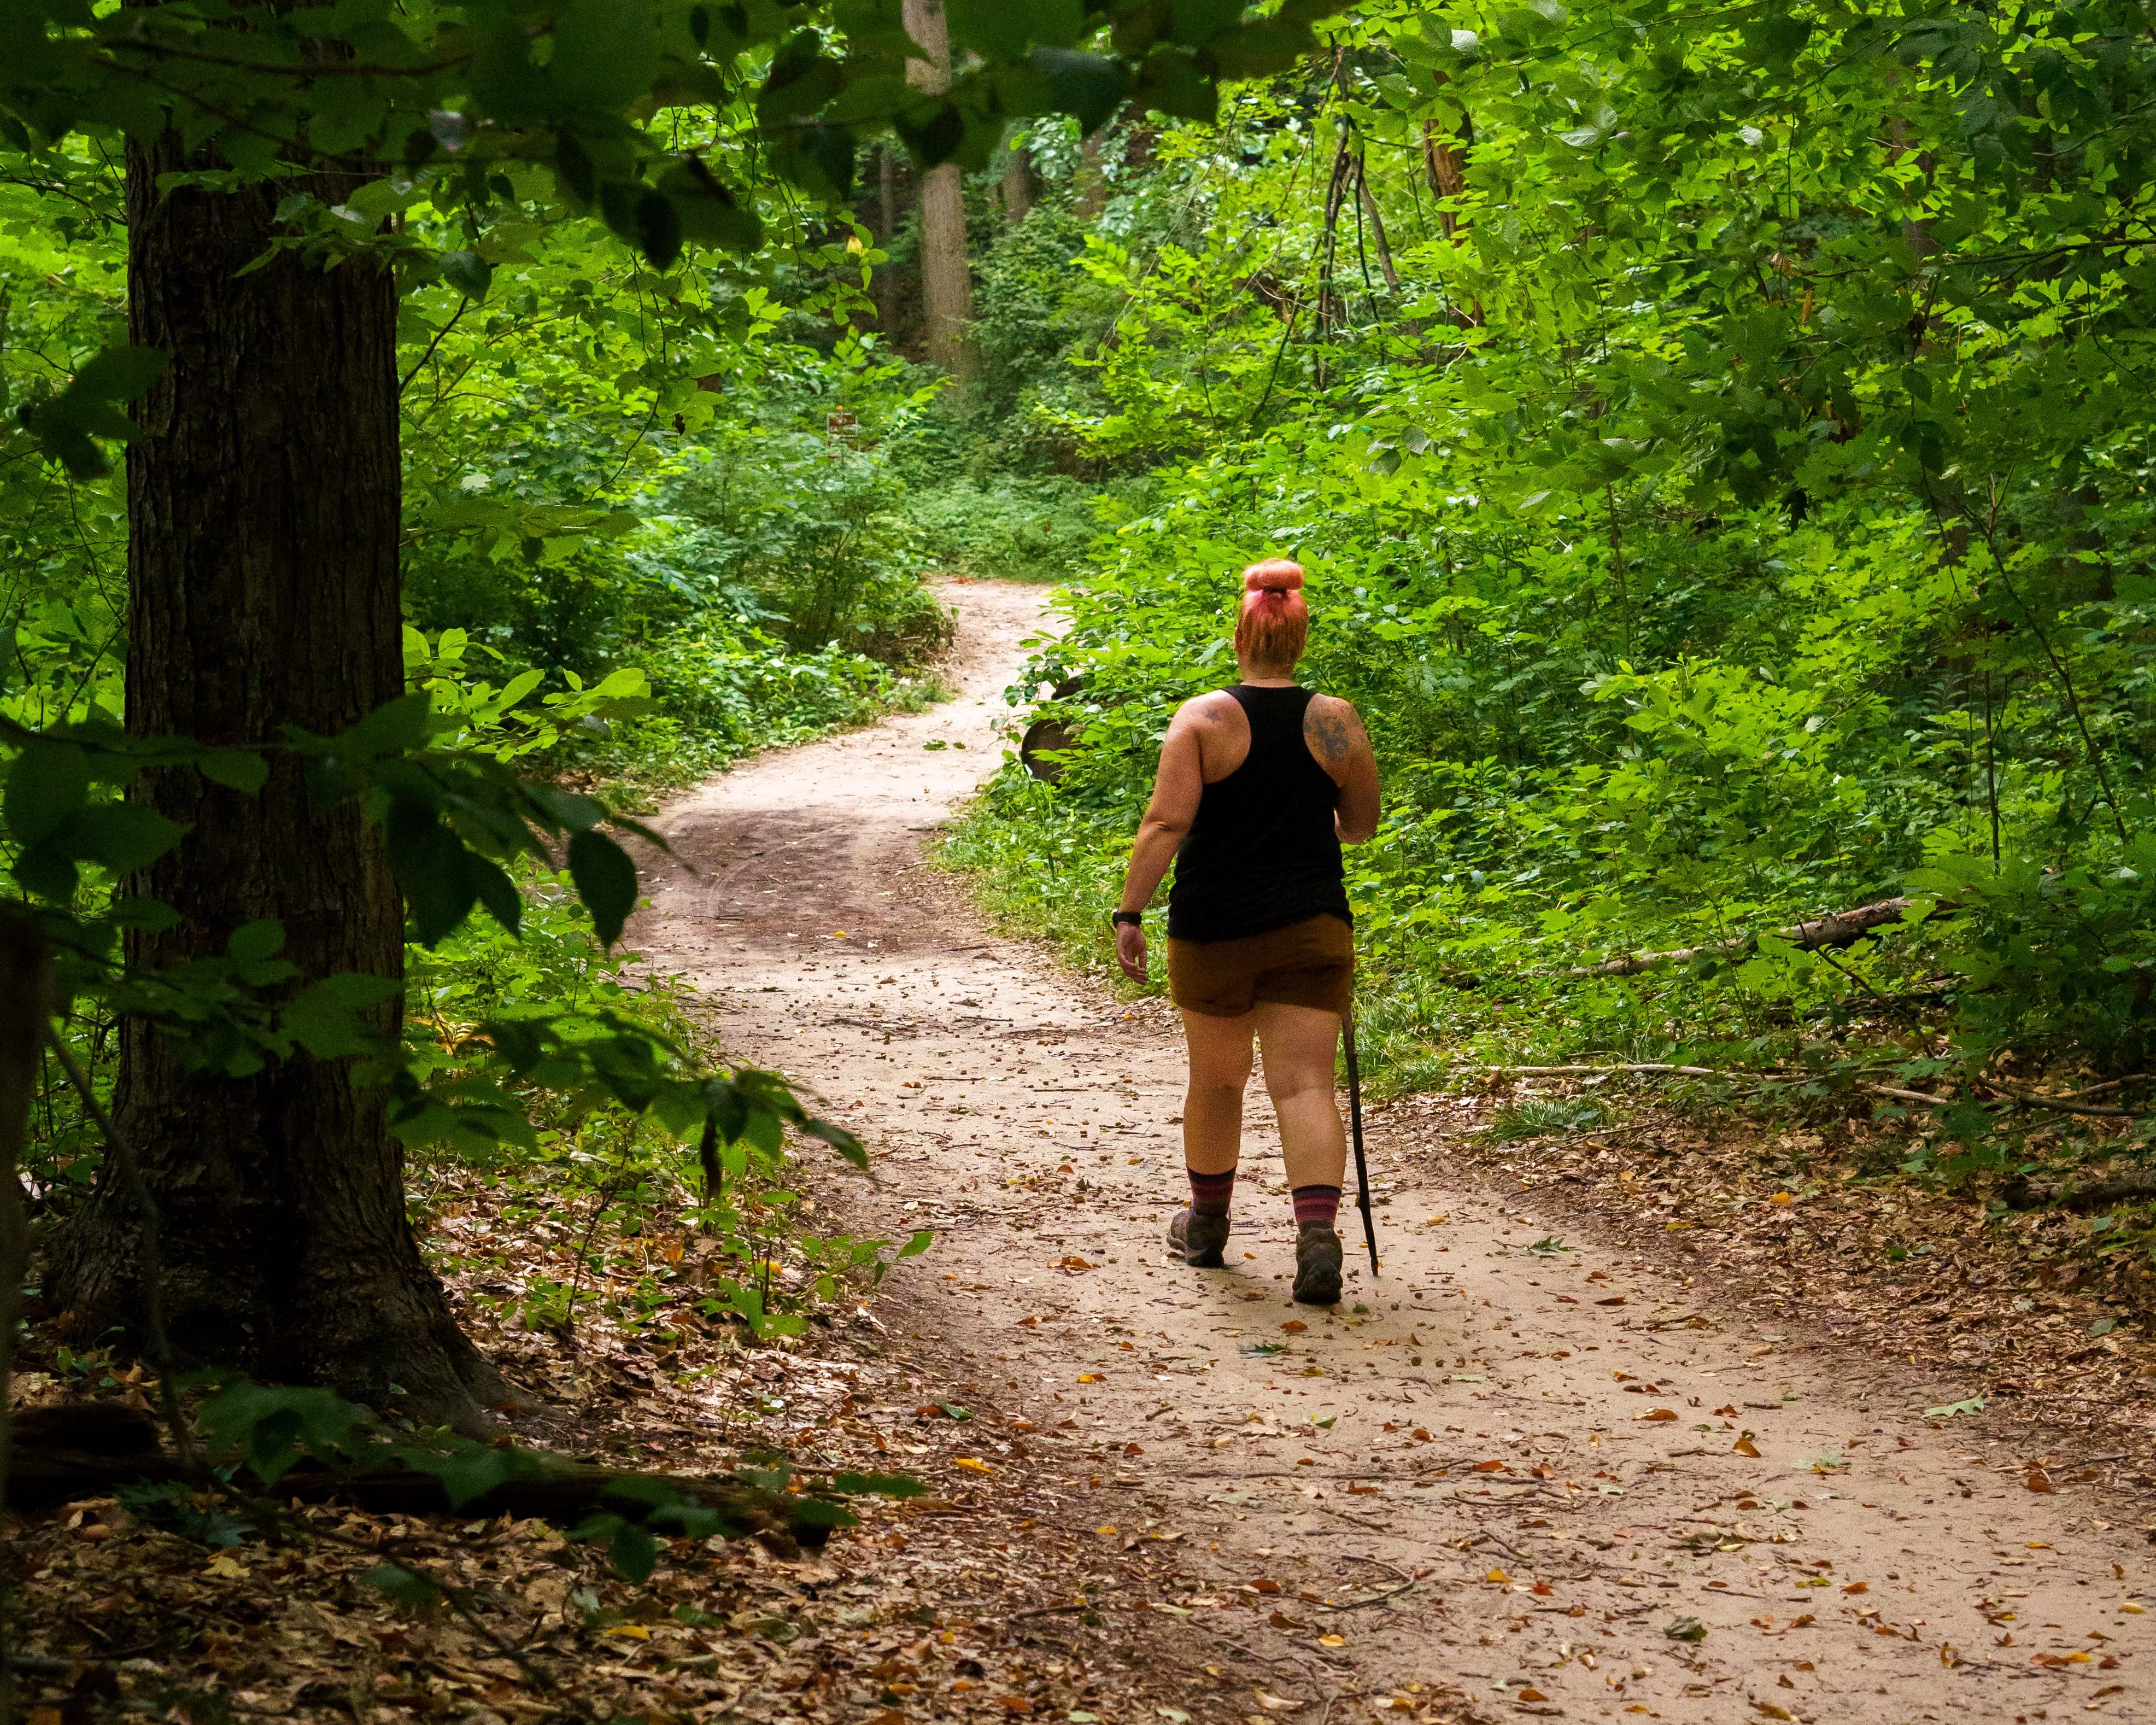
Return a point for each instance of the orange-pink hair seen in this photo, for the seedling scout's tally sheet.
(1274, 623)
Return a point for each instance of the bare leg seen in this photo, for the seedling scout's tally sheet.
(1213, 1105)
(1299, 1042)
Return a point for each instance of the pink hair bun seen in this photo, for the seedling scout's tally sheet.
(1278, 576)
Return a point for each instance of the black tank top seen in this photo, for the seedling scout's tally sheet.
(1261, 854)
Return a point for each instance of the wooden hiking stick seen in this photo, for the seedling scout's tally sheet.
(1355, 1123)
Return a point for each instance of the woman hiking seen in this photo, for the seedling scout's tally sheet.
(1260, 785)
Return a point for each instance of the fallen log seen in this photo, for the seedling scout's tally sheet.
(1840, 929)
(83, 1450)
(2022, 1195)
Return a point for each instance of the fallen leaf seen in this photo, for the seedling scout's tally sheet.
(1496, 1575)
(630, 1632)
(1614, 1299)
(2039, 1480)
(1769, 1710)
(1016, 1704)
(973, 1465)
(1073, 1262)
(1744, 1445)
(1262, 1585)
(1332, 1640)
(1531, 1695)
(1279, 1703)
(226, 1568)
(1089, 1378)
(1659, 1414)
(1728, 1413)
(1295, 1327)
(1488, 1467)
(1858, 1587)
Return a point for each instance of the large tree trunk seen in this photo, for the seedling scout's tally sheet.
(262, 498)
(947, 286)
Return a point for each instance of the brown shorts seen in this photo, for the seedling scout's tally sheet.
(1310, 963)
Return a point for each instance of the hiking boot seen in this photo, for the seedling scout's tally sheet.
(1318, 1265)
(1198, 1239)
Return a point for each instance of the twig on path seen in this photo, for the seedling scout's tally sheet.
(1374, 1599)
(1511, 1551)
(1048, 1610)
(1359, 1521)
(1359, 1557)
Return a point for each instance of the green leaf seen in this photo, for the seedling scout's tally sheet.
(468, 273)
(396, 727)
(122, 836)
(120, 373)
(429, 862)
(606, 881)
(241, 769)
(709, 213)
(879, 1485)
(634, 1553)
(1090, 85)
(573, 169)
(252, 942)
(47, 782)
(820, 1513)
(495, 890)
(922, 1239)
(839, 1139)
(658, 229)
(414, 1593)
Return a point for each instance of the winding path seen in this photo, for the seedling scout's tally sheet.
(1563, 1481)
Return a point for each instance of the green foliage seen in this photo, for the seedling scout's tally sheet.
(1727, 499)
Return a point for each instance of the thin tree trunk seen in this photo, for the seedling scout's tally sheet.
(264, 497)
(946, 289)
(1018, 185)
(886, 285)
(1444, 166)
(25, 1010)
(1092, 183)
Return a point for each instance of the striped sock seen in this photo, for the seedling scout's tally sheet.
(1210, 1194)
(1316, 1203)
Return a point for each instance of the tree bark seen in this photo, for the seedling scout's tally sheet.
(264, 499)
(1092, 182)
(947, 287)
(1018, 185)
(26, 977)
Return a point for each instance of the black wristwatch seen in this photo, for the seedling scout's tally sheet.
(1135, 918)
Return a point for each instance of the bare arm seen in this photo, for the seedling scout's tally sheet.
(1334, 730)
(1176, 790)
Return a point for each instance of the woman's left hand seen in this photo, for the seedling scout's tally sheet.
(1131, 950)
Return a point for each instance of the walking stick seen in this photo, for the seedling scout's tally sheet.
(1355, 1121)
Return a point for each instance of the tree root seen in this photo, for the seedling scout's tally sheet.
(88, 1449)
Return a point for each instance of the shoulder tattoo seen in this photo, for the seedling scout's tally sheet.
(1329, 726)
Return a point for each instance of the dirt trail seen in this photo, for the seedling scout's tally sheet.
(1562, 1481)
